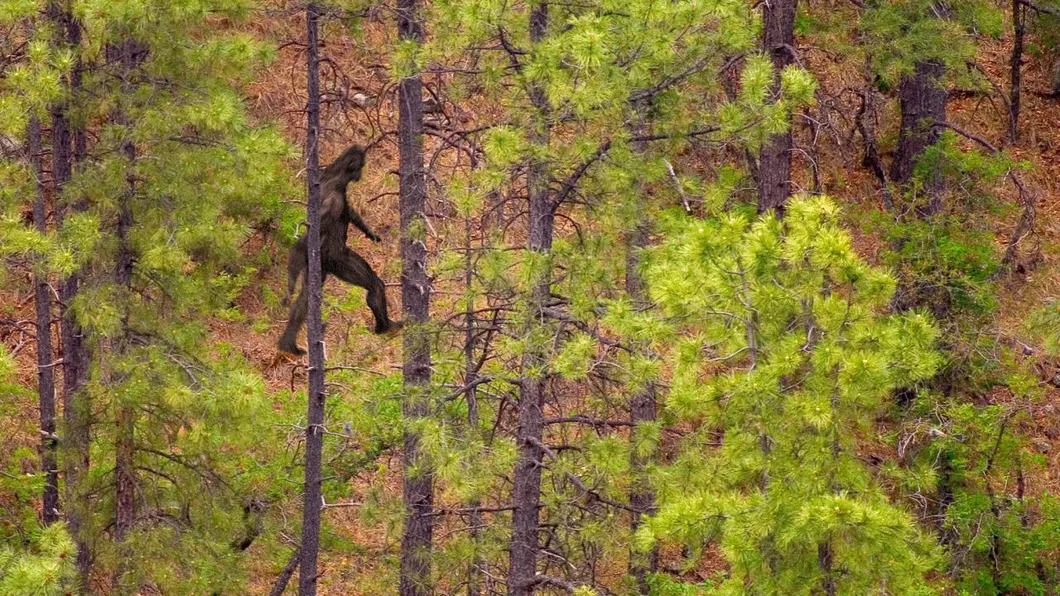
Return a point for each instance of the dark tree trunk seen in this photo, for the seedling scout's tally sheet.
(76, 410)
(125, 480)
(1019, 21)
(774, 161)
(45, 355)
(923, 103)
(415, 304)
(314, 437)
(642, 405)
(124, 466)
(526, 479)
(475, 570)
(824, 563)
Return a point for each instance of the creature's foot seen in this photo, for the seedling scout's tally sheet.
(287, 344)
(388, 327)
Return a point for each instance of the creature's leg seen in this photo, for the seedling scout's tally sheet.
(353, 269)
(295, 320)
(288, 341)
(297, 262)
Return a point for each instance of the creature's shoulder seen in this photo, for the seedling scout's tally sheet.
(334, 200)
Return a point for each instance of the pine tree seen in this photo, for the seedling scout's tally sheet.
(415, 304)
(148, 244)
(32, 87)
(565, 178)
(314, 281)
(774, 161)
(45, 568)
(921, 46)
(783, 362)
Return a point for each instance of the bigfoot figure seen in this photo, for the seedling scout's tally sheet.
(335, 257)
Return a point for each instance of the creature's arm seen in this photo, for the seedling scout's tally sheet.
(355, 218)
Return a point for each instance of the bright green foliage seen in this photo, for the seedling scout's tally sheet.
(977, 463)
(975, 458)
(786, 359)
(27, 88)
(610, 72)
(900, 33)
(44, 567)
(20, 477)
(203, 177)
(948, 262)
(1045, 325)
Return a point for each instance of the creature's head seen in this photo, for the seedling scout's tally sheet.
(348, 166)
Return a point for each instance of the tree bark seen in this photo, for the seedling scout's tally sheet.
(314, 436)
(475, 570)
(45, 355)
(417, 487)
(75, 358)
(124, 473)
(923, 103)
(1019, 21)
(642, 405)
(642, 409)
(125, 480)
(526, 479)
(774, 161)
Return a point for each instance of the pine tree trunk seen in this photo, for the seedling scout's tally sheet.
(415, 303)
(1019, 20)
(642, 405)
(923, 103)
(824, 565)
(642, 408)
(526, 479)
(314, 282)
(125, 480)
(475, 570)
(75, 358)
(45, 355)
(774, 161)
(124, 468)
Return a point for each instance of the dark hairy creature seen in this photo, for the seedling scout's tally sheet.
(336, 258)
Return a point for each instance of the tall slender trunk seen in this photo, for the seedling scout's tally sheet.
(824, 564)
(642, 404)
(417, 488)
(45, 355)
(125, 480)
(314, 437)
(526, 478)
(642, 408)
(75, 358)
(475, 570)
(774, 160)
(1019, 21)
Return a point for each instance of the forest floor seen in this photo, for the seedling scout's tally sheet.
(351, 70)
